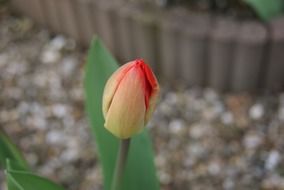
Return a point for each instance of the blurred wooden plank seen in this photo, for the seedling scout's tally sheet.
(68, 19)
(124, 45)
(36, 11)
(169, 44)
(275, 69)
(221, 51)
(103, 18)
(83, 9)
(194, 48)
(145, 33)
(50, 13)
(19, 6)
(249, 56)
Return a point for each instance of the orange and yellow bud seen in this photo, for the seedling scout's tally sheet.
(129, 99)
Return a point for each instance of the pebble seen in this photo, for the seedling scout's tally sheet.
(55, 137)
(256, 111)
(199, 130)
(58, 42)
(214, 168)
(228, 184)
(176, 126)
(59, 110)
(272, 160)
(50, 56)
(227, 118)
(281, 113)
(252, 140)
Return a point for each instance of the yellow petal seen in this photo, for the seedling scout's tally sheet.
(126, 113)
(111, 86)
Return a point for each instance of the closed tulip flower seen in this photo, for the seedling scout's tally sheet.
(129, 99)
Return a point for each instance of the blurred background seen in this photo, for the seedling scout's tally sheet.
(220, 120)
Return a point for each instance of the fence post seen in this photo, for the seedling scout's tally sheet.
(51, 16)
(85, 23)
(169, 42)
(194, 48)
(145, 37)
(68, 20)
(221, 52)
(124, 40)
(102, 15)
(275, 70)
(35, 11)
(249, 56)
(15, 4)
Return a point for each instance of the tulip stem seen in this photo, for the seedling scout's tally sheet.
(120, 164)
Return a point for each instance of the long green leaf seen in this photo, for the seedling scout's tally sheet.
(267, 9)
(21, 180)
(9, 151)
(25, 180)
(140, 171)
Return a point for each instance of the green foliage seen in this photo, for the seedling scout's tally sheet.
(9, 151)
(18, 174)
(267, 9)
(18, 179)
(140, 171)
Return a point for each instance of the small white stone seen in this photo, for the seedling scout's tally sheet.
(214, 168)
(69, 155)
(252, 141)
(281, 113)
(199, 130)
(171, 98)
(165, 178)
(227, 118)
(23, 107)
(272, 160)
(196, 150)
(256, 111)
(55, 137)
(68, 65)
(228, 184)
(160, 160)
(37, 122)
(50, 56)
(58, 42)
(176, 126)
(59, 110)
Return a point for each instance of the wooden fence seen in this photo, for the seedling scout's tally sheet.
(195, 49)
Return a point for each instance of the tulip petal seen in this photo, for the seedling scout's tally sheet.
(152, 104)
(152, 90)
(112, 85)
(126, 114)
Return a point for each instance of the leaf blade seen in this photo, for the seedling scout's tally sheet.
(267, 10)
(8, 150)
(21, 180)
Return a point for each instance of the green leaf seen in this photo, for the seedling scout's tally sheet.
(22, 180)
(140, 171)
(9, 151)
(267, 9)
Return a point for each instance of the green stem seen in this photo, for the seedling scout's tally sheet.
(120, 164)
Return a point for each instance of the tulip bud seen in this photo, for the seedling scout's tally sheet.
(129, 99)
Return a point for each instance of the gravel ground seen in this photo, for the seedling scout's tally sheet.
(202, 139)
